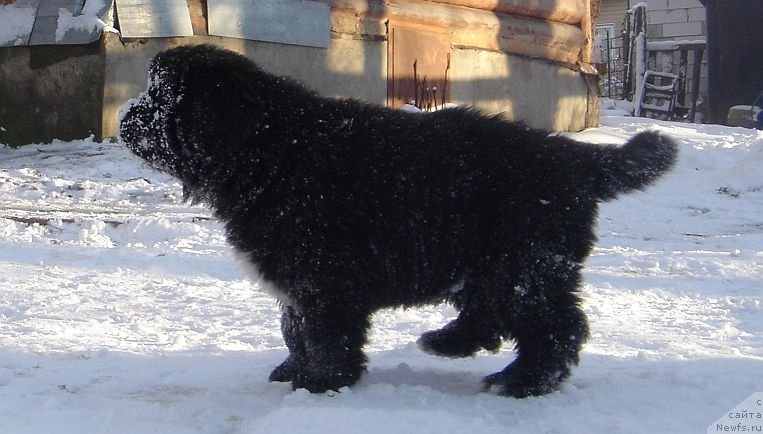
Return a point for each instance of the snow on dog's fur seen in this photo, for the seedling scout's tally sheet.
(345, 208)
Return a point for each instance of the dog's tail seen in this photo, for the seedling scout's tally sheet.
(637, 164)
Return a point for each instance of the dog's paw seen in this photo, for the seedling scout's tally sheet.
(454, 342)
(286, 371)
(320, 381)
(520, 382)
(442, 344)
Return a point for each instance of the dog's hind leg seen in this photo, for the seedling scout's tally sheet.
(547, 324)
(476, 327)
(325, 343)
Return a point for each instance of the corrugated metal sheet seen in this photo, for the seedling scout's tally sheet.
(50, 22)
(296, 22)
(63, 22)
(46, 24)
(59, 22)
(22, 13)
(153, 18)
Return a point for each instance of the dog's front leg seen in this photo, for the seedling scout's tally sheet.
(292, 330)
(325, 342)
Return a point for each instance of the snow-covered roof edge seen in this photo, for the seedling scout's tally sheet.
(52, 22)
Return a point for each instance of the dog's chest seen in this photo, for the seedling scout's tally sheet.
(255, 275)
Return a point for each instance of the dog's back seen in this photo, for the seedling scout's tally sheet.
(550, 166)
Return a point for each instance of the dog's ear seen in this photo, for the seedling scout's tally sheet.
(227, 100)
(220, 86)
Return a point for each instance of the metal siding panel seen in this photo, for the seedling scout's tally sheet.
(44, 32)
(79, 35)
(154, 18)
(295, 22)
(26, 3)
(47, 22)
(45, 25)
(24, 15)
(50, 8)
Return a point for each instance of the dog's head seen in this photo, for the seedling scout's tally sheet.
(204, 108)
(146, 122)
(211, 116)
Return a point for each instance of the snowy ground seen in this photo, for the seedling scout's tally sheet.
(123, 311)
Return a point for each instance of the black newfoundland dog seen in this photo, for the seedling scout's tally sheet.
(344, 208)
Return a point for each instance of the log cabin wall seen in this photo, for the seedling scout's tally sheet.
(523, 59)
(514, 57)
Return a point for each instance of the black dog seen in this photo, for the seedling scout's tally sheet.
(345, 208)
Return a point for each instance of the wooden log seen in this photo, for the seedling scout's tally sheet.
(468, 27)
(567, 11)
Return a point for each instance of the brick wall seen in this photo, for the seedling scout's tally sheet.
(679, 20)
(676, 19)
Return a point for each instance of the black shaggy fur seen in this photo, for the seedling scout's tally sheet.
(345, 208)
